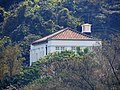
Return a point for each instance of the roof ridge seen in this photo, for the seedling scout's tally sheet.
(62, 30)
(79, 32)
(51, 35)
(56, 34)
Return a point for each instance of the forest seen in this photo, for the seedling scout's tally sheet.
(23, 21)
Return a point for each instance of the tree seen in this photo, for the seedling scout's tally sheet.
(111, 54)
(109, 60)
(1, 66)
(3, 43)
(67, 71)
(66, 19)
(12, 56)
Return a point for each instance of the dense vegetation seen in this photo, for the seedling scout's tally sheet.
(26, 21)
(23, 21)
(66, 70)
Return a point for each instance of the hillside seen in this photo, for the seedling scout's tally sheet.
(65, 71)
(23, 21)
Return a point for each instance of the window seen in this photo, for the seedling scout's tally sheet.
(62, 48)
(57, 48)
(73, 48)
(83, 28)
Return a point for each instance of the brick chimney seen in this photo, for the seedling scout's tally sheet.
(86, 28)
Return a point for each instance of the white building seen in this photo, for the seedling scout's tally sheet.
(65, 39)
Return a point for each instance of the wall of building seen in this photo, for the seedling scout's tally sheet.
(73, 43)
(70, 45)
(37, 51)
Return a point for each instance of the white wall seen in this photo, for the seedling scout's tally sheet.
(86, 28)
(73, 43)
(38, 51)
(52, 44)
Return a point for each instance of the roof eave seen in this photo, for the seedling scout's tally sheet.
(77, 39)
(41, 42)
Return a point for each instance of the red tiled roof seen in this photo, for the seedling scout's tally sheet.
(66, 33)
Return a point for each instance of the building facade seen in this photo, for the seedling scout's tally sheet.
(65, 39)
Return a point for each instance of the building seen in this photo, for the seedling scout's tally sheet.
(65, 39)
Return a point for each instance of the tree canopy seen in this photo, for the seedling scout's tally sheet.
(23, 21)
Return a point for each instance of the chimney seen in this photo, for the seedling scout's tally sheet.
(86, 28)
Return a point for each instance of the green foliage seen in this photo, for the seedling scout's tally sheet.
(36, 1)
(12, 57)
(58, 56)
(3, 42)
(5, 13)
(79, 51)
(29, 20)
(67, 71)
(83, 51)
(86, 50)
(43, 17)
(10, 62)
(35, 73)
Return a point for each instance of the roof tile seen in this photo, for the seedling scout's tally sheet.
(66, 33)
